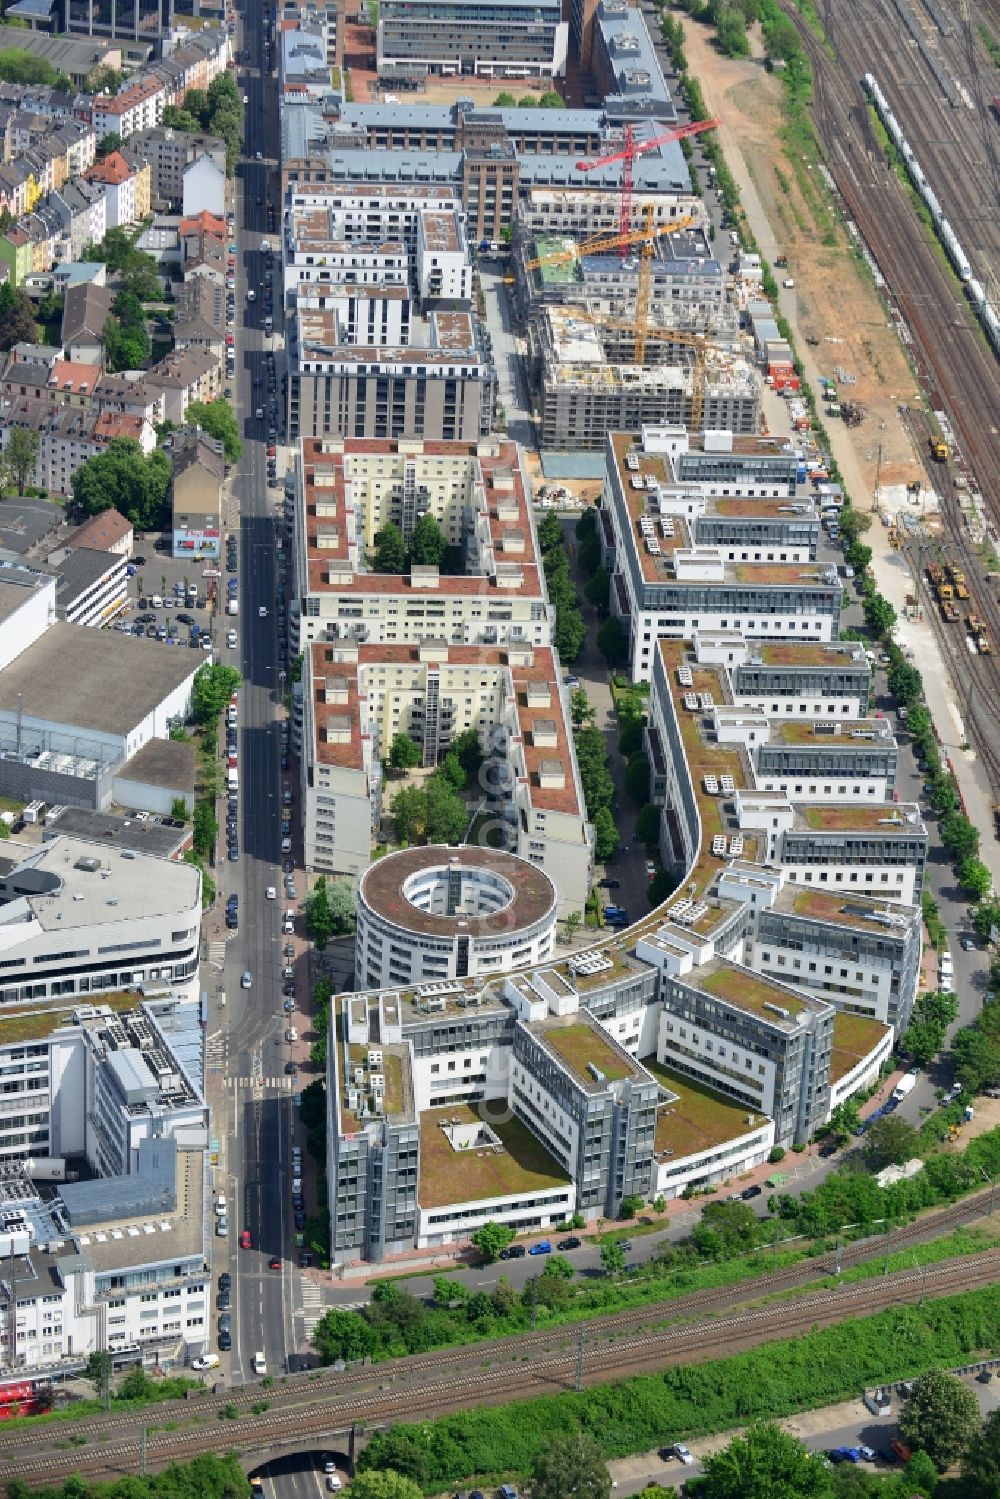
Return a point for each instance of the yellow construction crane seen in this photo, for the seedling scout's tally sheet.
(642, 334)
(644, 236)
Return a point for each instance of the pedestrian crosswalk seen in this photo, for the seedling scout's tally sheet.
(313, 1307)
(217, 952)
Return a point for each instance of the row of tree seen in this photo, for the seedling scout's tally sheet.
(217, 112)
(329, 910)
(570, 631)
(428, 547)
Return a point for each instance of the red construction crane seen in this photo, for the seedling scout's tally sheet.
(634, 148)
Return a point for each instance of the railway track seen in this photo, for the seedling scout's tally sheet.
(627, 1329)
(953, 358)
(316, 1411)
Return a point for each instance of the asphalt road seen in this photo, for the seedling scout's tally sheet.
(259, 1111)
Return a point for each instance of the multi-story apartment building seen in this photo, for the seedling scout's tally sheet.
(666, 584)
(523, 39)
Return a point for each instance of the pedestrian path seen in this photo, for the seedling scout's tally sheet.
(313, 1304)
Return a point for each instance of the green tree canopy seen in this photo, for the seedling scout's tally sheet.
(390, 549)
(612, 1258)
(383, 1484)
(20, 456)
(409, 811)
(492, 1239)
(218, 419)
(469, 751)
(404, 754)
(598, 590)
(504, 100)
(126, 347)
(214, 685)
(550, 532)
(880, 616)
(612, 642)
(570, 1466)
(941, 1417)
(319, 917)
(109, 142)
(647, 825)
(890, 1141)
(447, 816)
(428, 543)
(981, 1463)
(766, 1463)
(663, 884)
(637, 776)
(17, 317)
(343, 1335)
(607, 838)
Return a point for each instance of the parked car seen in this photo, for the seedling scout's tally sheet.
(571, 1243)
(545, 1247)
(749, 1193)
(513, 1252)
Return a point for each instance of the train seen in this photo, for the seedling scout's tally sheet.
(974, 289)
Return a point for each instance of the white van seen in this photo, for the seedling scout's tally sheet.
(233, 780)
(156, 602)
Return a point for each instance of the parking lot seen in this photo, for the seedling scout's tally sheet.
(172, 599)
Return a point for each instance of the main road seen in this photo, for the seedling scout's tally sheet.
(257, 1113)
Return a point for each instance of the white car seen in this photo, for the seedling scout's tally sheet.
(208, 1361)
(259, 413)
(681, 1452)
(271, 893)
(246, 980)
(231, 642)
(262, 612)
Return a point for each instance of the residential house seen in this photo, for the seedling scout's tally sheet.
(16, 252)
(204, 186)
(196, 496)
(108, 531)
(135, 157)
(138, 107)
(82, 210)
(200, 316)
(118, 179)
(193, 375)
(86, 310)
(169, 152)
(129, 394)
(71, 383)
(203, 247)
(112, 424)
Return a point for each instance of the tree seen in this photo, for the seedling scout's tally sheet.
(766, 1463)
(589, 554)
(343, 1335)
(451, 770)
(647, 825)
(570, 633)
(20, 455)
(551, 100)
(905, 683)
(959, 836)
(319, 918)
(213, 686)
(844, 1120)
(527, 101)
(123, 478)
(126, 347)
(218, 419)
(612, 1258)
(732, 34)
(409, 811)
(630, 738)
(204, 829)
(136, 1385)
(941, 1417)
(550, 532)
(469, 751)
(390, 549)
(637, 776)
(428, 543)
(573, 922)
(890, 1141)
(112, 141)
(17, 317)
(975, 878)
(580, 708)
(447, 816)
(612, 642)
(103, 80)
(340, 904)
(504, 100)
(383, 1484)
(598, 590)
(404, 755)
(176, 118)
(981, 1463)
(570, 1466)
(492, 1239)
(98, 1369)
(607, 838)
(661, 886)
(880, 616)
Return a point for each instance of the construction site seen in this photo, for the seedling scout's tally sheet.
(635, 328)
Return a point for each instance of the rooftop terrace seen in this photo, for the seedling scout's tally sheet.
(696, 1118)
(854, 1037)
(578, 1042)
(748, 991)
(448, 1176)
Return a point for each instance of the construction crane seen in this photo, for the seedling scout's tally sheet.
(644, 334)
(627, 156)
(598, 246)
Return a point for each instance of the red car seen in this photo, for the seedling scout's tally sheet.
(274, 1263)
(246, 1241)
(230, 339)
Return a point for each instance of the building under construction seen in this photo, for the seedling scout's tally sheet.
(581, 394)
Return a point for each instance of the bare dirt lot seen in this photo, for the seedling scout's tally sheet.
(835, 300)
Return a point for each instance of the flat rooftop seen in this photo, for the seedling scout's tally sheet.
(533, 898)
(889, 818)
(159, 837)
(93, 886)
(140, 1239)
(579, 1043)
(695, 1118)
(98, 680)
(857, 733)
(854, 1037)
(449, 1176)
(888, 918)
(29, 1023)
(804, 655)
(751, 992)
(167, 763)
